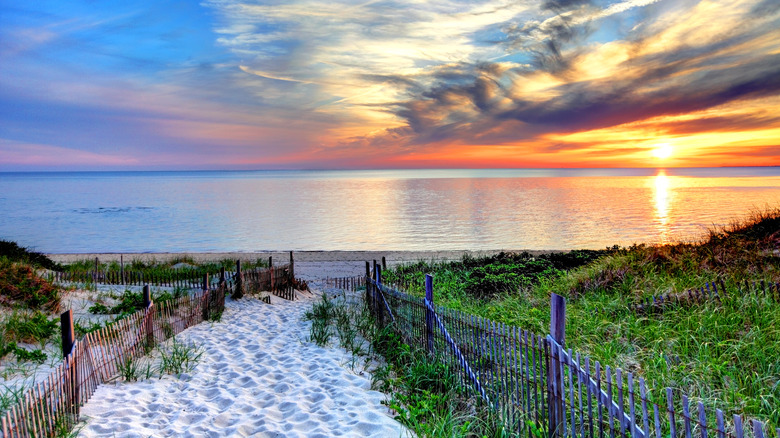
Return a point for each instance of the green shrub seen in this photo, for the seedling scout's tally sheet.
(15, 253)
(29, 328)
(21, 354)
(20, 284)
(129, 302)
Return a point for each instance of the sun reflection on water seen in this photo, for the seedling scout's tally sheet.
(662, 204)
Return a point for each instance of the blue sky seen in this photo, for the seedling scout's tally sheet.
(317, 84)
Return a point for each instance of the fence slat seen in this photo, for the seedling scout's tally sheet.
(686, 416)
(572, 404)
(702, 420)
(758, 427)
(632, 408)
(621, 414)
(600, 405)
(643, 395)
(579, 395)
(738, 432)
(589, 394)
(670, 411)
(610, 409)
(721, 427)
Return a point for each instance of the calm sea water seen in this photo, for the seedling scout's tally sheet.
(374, 210)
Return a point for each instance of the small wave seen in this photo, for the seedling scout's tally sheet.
(111, 210)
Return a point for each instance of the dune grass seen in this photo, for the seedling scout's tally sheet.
(725, 353)
(421, 390)
(161, 267)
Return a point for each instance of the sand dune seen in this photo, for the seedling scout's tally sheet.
(258, 376)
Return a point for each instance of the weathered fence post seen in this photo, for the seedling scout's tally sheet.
(292, 268)
(68, 341)
(222, 276)
(122, 268)
(66, 327)
(378, 298)
(428, 313)
(555, 377)
(368, 286)
(207, 305)
(238, 291)
(271, 272)
(373, 294)
(148, 305)
(95, 276)
(384, 263)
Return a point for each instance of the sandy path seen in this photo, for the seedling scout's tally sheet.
(259, 376)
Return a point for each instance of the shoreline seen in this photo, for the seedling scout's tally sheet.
(303, 256)
(310, 266)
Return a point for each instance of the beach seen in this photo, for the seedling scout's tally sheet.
(258, 375)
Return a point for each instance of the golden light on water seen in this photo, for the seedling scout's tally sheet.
(662, 204)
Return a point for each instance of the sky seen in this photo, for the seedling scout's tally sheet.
(235, 84)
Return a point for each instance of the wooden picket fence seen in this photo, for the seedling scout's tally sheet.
(346, 283)
(711, 292)
(52, 406)
(278, 280)
(190, 278)
(537, 386)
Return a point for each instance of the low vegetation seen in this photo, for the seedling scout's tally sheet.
(15, 253)
(153, 267)
(129, 302)
(21, 286)
(421, 390)
(172, 358)
(723, 352)
(27, 299)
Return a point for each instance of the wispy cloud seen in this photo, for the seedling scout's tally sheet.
(393, 82)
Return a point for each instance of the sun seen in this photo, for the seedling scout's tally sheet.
(663, 151)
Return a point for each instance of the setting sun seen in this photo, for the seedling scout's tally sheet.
(663, 151)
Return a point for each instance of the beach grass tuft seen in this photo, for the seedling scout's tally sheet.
(178, 357)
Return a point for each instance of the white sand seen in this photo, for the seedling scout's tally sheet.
(258, 376)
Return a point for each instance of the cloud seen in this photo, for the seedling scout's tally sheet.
(15, 155)
(388, 82)
(654, 76)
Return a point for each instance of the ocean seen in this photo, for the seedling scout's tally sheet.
(246, 211)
